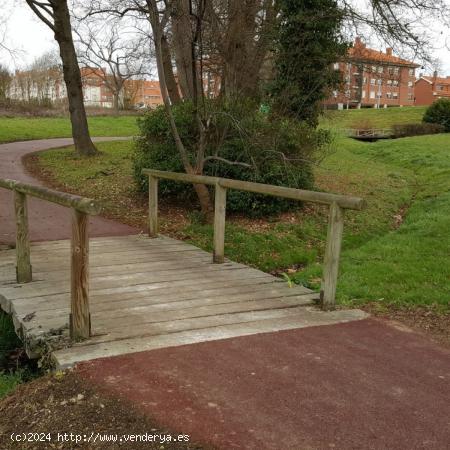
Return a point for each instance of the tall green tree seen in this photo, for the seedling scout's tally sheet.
(308, 41)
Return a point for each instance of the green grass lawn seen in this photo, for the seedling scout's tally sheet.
(24, 128)
(395, 252)
(377, 118)
(409, 264)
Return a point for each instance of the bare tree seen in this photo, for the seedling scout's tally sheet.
(231, 40)
(112, 56)
(55, 14)
(5, 82)
(402, 24)
(4, 48)
(39, 81)
(201, 36)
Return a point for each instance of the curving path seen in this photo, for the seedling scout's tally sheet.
(47, 220)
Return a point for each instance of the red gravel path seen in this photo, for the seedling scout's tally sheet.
(359, 385)
(47, 221)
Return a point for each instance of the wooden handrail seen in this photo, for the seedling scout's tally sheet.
(82, 204)
(337, 203)
(344, 201)
(80, 319)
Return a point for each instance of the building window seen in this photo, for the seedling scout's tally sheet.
(336, 66)
(372, 94)
(396, 70)
(389, 82)
(379, 82)
(335, 94)
(363, 94)
(372, 81)
(410, 96)
(380, 69)
(395, 82)
(411, 72)
(388, 94)
(395, 95)
(374, 69)
(410, 84)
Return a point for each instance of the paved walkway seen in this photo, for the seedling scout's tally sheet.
(47, 221)
(360, 385)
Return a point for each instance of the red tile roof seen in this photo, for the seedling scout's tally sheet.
(438, 80)
(360, 52)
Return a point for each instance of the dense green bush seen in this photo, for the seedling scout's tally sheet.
(439, 112)
(417, 129)
(279, 152)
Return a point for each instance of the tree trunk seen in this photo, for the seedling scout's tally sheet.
(116, 106)
(204, 199)
(172, 86)
(182, 45)
(244, 46)
(72, 78)
(200, 189)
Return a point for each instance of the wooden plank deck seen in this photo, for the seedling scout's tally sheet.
(150, 293)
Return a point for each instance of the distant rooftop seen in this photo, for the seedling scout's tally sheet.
(360, 52)
(438, 80)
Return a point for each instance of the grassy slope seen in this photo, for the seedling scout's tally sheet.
(378, 118)
(23, 128)
(409, 264)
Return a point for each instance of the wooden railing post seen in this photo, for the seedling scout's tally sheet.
(153, 206)
(80, 318)
(220, 203)
(23, 265)
(332, 253)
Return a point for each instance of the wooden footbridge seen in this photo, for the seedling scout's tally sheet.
(81, 299)
(370, 134)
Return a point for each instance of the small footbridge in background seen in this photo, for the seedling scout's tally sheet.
(369, 134)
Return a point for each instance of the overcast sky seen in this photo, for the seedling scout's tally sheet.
(31, 38)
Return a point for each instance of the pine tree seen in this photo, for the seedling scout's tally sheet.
(309, 41)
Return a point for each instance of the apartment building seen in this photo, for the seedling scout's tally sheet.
(372, 78)
(48, 86)
(428, 89)
(144, 93)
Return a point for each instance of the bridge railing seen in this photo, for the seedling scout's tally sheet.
(80, 319)
(368, 132)
(336, 203)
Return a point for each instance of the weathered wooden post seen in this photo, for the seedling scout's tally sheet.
(80, 318)
(152, 206)
(23, 265)
(332, 254)
(220, 203)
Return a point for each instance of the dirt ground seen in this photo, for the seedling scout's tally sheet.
(64, 403)
(429, 321)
